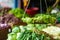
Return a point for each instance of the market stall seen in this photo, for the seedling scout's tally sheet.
(27, 23)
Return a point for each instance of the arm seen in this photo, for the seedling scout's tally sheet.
(54, 5)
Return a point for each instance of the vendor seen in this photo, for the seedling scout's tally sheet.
(52, 4)
(36, 3)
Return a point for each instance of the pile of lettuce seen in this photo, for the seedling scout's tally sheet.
(28, 32)
(40, 18)
(19, 13)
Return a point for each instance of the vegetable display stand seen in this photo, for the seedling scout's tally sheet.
(25, 27)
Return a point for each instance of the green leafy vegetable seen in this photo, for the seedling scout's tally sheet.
(28, 33)
(18, 13)
(15, 30)
(41, 18)
(12, 36)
